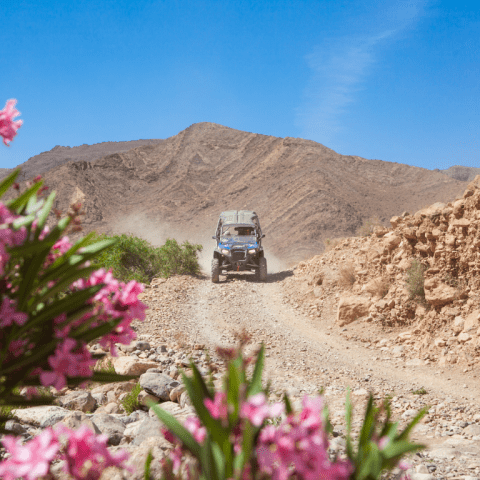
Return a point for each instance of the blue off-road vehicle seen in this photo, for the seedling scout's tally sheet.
(239, 245)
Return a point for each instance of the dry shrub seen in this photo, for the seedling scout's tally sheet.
(346, 275)
(368, 226)
(415, 280)
(380, 286)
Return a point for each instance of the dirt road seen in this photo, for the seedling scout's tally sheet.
(305, 354)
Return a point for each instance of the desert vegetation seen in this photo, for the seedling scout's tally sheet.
(133, 258)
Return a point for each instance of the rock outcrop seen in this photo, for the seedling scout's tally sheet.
(423, 274)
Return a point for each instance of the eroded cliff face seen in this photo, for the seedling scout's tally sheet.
(372, 281)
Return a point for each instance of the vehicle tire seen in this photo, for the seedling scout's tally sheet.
(262, 270)
(215, 270)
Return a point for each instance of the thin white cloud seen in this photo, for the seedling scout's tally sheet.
(339, 69)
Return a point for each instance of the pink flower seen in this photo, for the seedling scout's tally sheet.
(8, 126)
(299, 447)
(17, 347)
(86, 454)
(8, 314)
(66, 363)
(218, 406)
(29, 461)
(193, 425)
(256, 409)
(115, 300)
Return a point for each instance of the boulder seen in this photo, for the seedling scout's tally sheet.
(394, 221)
(149, 427)
(110, 426)
(438, 293)
(391, 240)
(79, 400)
(74, 420)
(472, 322)
(158, 384)
(132, 366)
(41, 416)
(117, 388)
(145, 398)
(352, 307)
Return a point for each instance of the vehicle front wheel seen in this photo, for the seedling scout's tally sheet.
(215, 270)
(262, 270)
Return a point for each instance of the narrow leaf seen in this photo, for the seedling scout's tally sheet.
(8, 181)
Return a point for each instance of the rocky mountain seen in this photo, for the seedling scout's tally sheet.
(41, 163)
(464, 174)
(303, 191)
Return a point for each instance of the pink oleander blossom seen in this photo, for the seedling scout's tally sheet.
(9, 126)
(116, 300)
(300, 446)
(9, 315)
(256, 409)
(58, 249)
(218, 406)
(30, 461)
(17, 347)
(194, 426)
(86, 455)
(65, 363)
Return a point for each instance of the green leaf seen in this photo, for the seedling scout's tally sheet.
(146, 468)
(196, 391)
(73, 306)
(399, 448)
(348, 420)
(256, 382)
(67, 281)
(7, 182)
(220, 465)
(249, 433)
(30, 271)
(20, 202)
(368, 423)
(40, 353)
(177, 429)
(96, 332)
(288, 405)
(20, 401)
(370, 466)
(415, 420)
(234, 382)
(43, 214)
(99, 246)
(111, 377)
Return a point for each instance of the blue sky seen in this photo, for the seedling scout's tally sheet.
(391, 80)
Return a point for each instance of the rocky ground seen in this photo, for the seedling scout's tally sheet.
(321, 330)
(188, 317)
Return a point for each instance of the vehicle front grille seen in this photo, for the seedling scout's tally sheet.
(238, 255)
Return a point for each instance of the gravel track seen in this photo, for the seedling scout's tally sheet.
(305, 354)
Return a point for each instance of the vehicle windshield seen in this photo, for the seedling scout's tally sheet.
(237, 231)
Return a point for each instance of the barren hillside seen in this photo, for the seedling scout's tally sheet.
(303, 191)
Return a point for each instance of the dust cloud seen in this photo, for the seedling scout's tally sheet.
(157, 233)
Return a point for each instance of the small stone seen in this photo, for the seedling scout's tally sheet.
(81, 400)
(76, 419)
(158, 384)
(421, 468)
(176, 392)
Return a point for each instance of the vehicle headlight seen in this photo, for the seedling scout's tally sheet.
(253, 250)
(225, 251)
